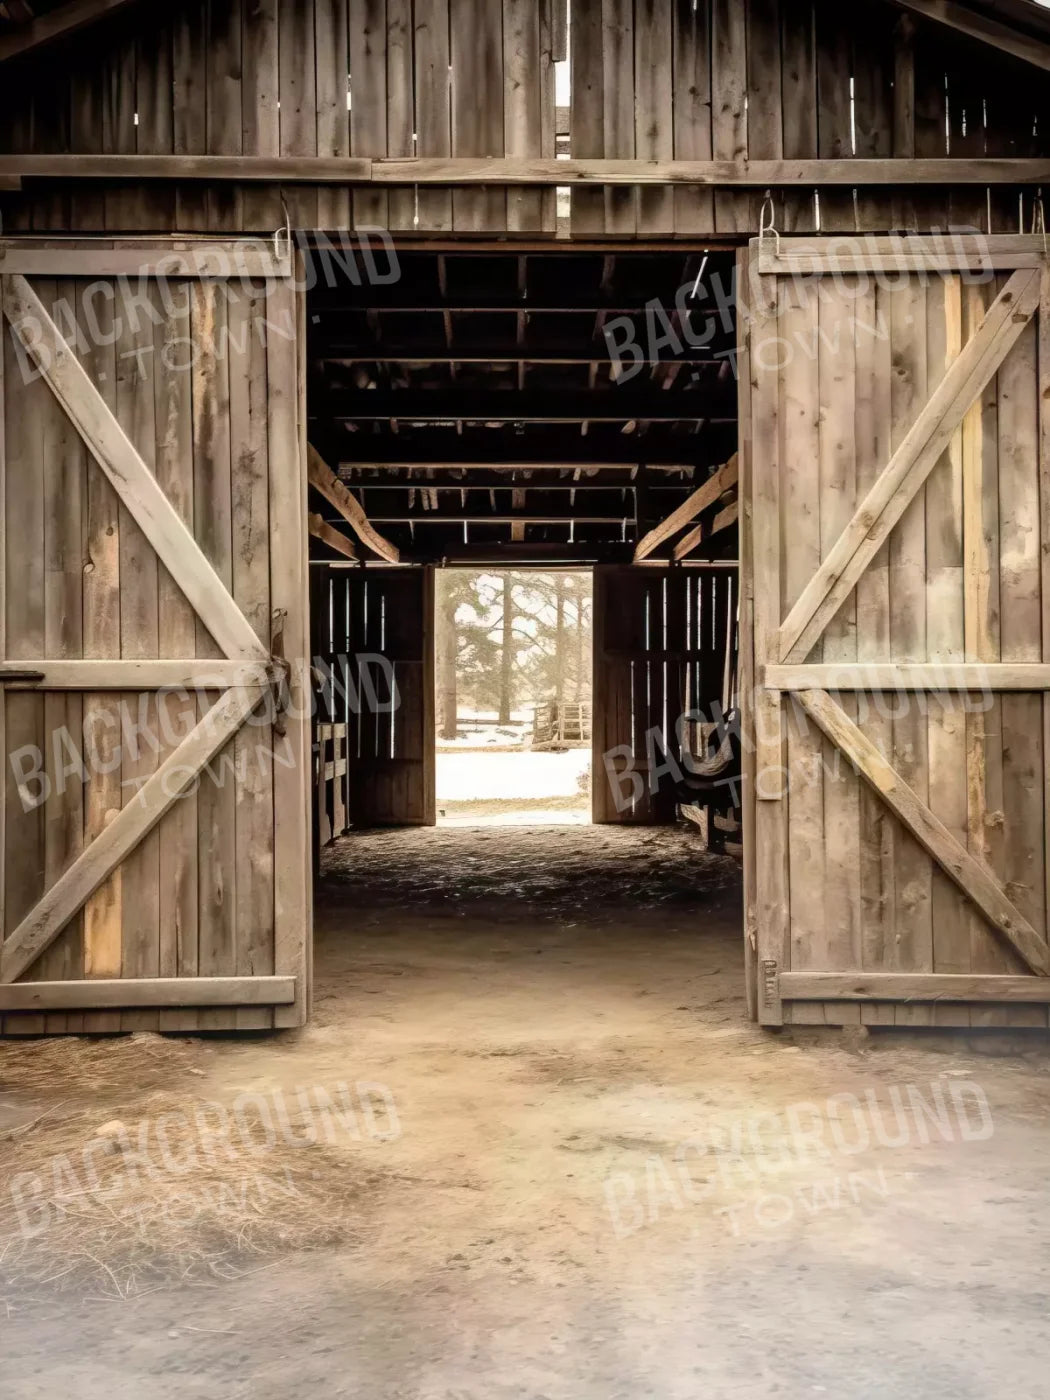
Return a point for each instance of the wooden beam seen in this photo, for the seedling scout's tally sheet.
(725, 518)
(94, 993)
(323, 479)
(909, 466)
(869, 252)
(56, 24)
(92, 675)
(140, 814)
(247, 258)
(688, 542)
(723, 480)
(509, 170)
(329, 535)
(513, 406)
(912, 986)
(945, 676)
(975, 881)
(128, 474)
(983, 28)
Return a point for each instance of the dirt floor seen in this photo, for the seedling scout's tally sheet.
(529, 1147)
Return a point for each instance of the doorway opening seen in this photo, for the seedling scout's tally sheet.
(513, 697)
(542, 441)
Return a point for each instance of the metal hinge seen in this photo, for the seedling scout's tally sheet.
(770, 982)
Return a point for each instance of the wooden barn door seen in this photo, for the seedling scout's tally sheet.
(155, 742)
(391, 736)
(899, 482)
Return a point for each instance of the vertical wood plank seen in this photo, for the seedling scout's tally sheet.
(190, 117)
(298, 103)
(773, 930)
(225, 131)
(155, 131)
(213, 529)
(799, 97)
(747, 653)
(765, 124)
(400, 115)
(260, 117)
(728, 105)
(694, 209)
(433, 105)
(103, 916)
(177, 636)
(945, 633)
(251, 590)
(834, 108)
(913, 949)
(331, 39)
(289, 592)
(587, 99)
(522, 107)
(621, 203)
(984, 753)
(801, 408)
(1021, 617)
(139, 640)
(654, 109)
(368, 103)
(63, 487)
(835, 348)
(874, 370)
(29, 406)
(476, 28)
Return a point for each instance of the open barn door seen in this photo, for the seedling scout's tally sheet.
(155, 744)
(391, 734)
(899, 483)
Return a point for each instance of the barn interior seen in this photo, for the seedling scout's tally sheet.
(528, 411)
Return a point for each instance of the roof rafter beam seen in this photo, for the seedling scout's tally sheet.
(56, 24)
(983, 28)
(711, 491)
(323, 479)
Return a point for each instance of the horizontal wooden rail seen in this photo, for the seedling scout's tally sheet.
(855, 253)
(134, 675)
(911, 986)
(512, 170)
(147, 991)
(903, 675)
(237, 259)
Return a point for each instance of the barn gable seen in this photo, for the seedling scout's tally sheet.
(765, 81)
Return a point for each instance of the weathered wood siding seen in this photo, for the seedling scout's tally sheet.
(651, 79)
(292, 78)
(201, 378)
(841, 371)
(772, 79)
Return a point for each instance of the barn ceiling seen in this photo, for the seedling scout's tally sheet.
(477, 399)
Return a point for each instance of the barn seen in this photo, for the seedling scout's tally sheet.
(744, 308)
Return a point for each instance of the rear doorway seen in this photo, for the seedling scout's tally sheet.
(524, 593)
(513, 703)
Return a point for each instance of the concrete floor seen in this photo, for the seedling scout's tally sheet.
(604, 1182)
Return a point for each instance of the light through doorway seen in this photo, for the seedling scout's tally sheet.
(513, 701)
